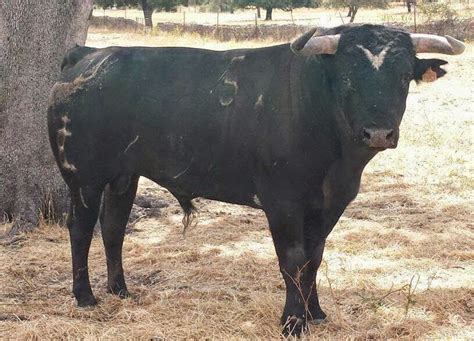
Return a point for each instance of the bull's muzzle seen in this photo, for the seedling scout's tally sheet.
(380, 138)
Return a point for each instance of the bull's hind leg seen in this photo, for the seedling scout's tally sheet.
(86, 203)
(118, 203)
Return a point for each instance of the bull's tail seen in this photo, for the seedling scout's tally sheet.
(190, 213)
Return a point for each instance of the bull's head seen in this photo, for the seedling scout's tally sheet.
(373, 67)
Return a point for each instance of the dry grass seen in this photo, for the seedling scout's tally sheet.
(398, 264)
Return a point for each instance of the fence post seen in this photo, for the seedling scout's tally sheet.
(218, 31)
(256, 26)
(414, 13)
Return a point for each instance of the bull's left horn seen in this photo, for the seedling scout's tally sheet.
(430, 43)
(308, 46)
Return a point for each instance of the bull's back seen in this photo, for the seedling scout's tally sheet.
(154, 111)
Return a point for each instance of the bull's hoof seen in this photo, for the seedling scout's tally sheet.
(317, 316)
(85, 302)
(120, 292)
(317, 322)
(294, 326)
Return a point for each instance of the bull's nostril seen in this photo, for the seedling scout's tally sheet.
(366, 134)
(390, 134)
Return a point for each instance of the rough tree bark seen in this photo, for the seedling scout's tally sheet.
(34, 36)
(147, 13)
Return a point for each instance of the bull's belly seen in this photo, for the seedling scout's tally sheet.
(238, 191)
(230, 183)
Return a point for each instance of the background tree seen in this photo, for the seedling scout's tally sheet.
(220, 5)
(148, 6)
(354, 5)
(34, 36)
(269, 5)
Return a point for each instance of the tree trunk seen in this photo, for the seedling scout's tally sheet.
(268, 14)
(34, 36)
(147, 13)
(354, 10)
(349, 14)
(258, 12)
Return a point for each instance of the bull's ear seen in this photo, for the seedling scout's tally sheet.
(429, 70)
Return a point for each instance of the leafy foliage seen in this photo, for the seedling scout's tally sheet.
(432, 11)
(354, 5)
(357, 3)
(148, 6)
(280, 4)
(219, 5)
(157, 5)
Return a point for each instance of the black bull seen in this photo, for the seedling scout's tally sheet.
(287, 129)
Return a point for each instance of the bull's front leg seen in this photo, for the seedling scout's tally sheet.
(314, 247)
(286, 220)
(339, 189)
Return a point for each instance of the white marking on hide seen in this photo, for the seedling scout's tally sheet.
(376, 60)
(256, 200)
(259, 102)
(233, 83)
(238, 59)
(82, 198)
(63, 133)
(62, 90)
(94, 70)
(131, 144)
(326, 193)
(65, 120)
(69, 166)
(227, 101)
(185, 170)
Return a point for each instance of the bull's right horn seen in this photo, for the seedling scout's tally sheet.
(307, 45)
(430, 43)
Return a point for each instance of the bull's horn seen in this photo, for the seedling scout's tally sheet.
(436, 44)
(307, 45)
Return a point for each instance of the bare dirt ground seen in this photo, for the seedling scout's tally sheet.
(400, 262)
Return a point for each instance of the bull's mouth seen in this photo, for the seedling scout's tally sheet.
(379, 148)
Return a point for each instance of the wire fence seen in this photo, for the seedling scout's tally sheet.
(246, 25)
